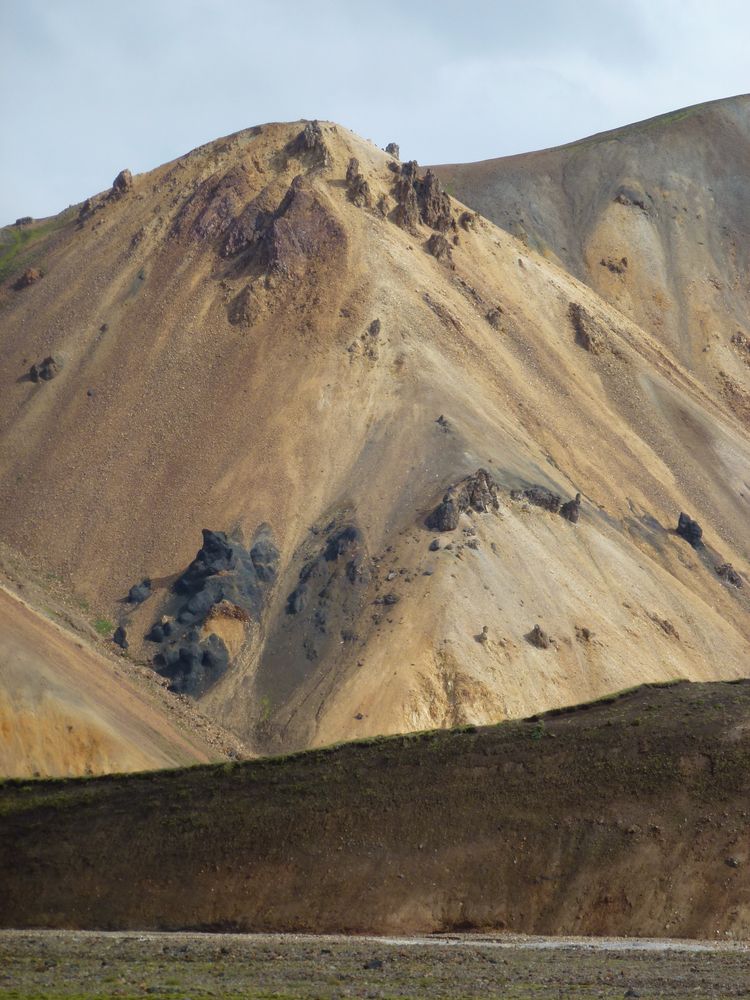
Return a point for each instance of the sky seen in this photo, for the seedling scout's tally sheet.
(92, 86)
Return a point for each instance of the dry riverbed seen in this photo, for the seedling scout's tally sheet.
(76, 965)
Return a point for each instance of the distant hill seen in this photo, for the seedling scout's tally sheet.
(624, 817)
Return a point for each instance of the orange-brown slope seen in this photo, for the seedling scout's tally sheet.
(628, 817)
(252, 340)
(66, 710)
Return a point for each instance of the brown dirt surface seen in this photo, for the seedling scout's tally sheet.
(222, 368)
(626, 816)
(87, 966)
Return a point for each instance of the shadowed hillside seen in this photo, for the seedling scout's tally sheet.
(312, 433)
(623, 817)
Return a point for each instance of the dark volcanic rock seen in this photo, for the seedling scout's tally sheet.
(571, 510)
(477, 492)
(689, 529)
(539, 638)
(140, 592)
(29, 276)
(303, 230)
(225, 579)
(393, 150)
(540, 496)
(727, 572)
(406, 213)
(25, 220)
(44, 371)
(120, 637)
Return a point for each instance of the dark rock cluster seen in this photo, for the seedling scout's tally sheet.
(539, 638)
(689, 529)
(477, 492)
(439, 248)
(45, 370)
(223, 575)
(571, 510)
(122, 183)
(393, 150)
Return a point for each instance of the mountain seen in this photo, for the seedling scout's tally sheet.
(655, 217)
(307, 423)
(624, 817)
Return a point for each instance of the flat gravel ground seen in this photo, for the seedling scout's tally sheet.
(74, 964)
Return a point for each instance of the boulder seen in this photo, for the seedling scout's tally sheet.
(122, 183)
(689, 529)
(539, 638)
(46, 370)
(571, 510)
(29, 276)
(439, 247)
(140, 592)
(120, 637)
(393, 150)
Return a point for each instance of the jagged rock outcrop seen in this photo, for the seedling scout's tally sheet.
(477, 492)
(47, 369)
(689, 529)
(393, 150)
(421, 200)
(311, 141)
(357, 187)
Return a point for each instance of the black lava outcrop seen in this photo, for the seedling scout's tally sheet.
(539, 638)
(140, 592)
(690, 530)
(393, 150)
(311, 141)
(122, 183)
(224, 572)
(477, 492)
(439, 248)
(46, 370)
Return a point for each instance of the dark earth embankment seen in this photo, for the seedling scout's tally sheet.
(627, 816)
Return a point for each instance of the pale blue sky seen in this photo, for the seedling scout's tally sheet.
(91, 86)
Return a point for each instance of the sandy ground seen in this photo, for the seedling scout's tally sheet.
(75, 964)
